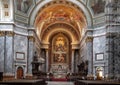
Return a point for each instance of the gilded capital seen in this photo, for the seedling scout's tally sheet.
(10, 33)
(31, 38)
(89, 39)
(2, 33)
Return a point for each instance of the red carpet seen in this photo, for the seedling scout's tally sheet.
(59, 79)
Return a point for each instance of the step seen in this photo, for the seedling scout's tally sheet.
(59, 83)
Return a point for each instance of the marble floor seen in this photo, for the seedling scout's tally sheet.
(59, 83)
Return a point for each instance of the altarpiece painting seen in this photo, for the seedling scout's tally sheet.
(60, 49)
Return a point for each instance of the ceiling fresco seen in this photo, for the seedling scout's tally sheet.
(60, 13)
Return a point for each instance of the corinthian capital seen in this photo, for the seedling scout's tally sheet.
(89, 39)
(2, 33)
(10, 33)
(31, 38)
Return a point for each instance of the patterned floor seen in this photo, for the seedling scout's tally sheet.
(59, 83)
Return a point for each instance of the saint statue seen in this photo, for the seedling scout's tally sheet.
(23, 5)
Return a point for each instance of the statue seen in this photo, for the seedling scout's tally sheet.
(83, 68)
(35, 57)
(99, 6)
(23, 5)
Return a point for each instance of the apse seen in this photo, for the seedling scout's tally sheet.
(60, 27)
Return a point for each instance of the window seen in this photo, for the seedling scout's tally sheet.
(6, 13)
(5, 5)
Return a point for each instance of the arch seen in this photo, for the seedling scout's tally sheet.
(61, 25)
(65, 28)
(78, 3)
(54, 31)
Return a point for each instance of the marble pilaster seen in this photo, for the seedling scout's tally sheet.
(2, 50)
(9, 52)
(43, 56)
(30, 54)
(109, 50)
(89, 43)
(76, 60)
(72, 61)
(47, 61)
(117, 56)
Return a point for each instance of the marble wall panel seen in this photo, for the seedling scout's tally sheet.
(21, 45)
(99, 44)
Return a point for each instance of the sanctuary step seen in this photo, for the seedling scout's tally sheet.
(59, 79)
(59, 83)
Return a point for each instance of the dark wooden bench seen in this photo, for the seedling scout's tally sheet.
(95, 82)
(23, 82)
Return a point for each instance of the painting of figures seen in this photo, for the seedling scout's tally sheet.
(59, 58)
